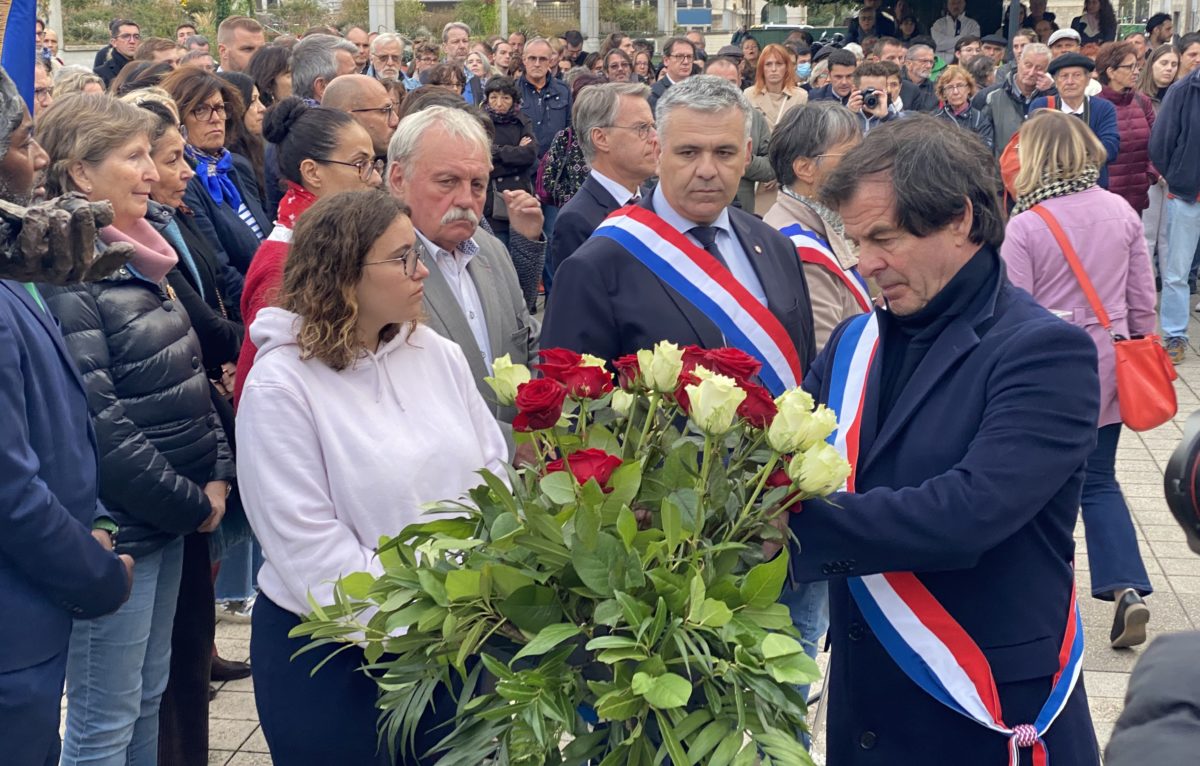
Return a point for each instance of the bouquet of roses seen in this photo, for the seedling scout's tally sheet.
(612, 603)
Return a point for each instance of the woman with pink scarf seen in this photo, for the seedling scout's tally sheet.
(165, 465)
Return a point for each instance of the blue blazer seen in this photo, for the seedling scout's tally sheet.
(51, 569)
(578, 219)
(606, 303)
(1102, 119)
(972, 482)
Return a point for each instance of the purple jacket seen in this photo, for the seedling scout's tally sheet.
(1107, 236)
(1129, 174)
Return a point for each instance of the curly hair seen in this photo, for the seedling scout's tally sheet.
(324, 266)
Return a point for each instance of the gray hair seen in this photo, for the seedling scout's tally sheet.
(597, 107)
(701, 93)
(388, 37)
(315, 58)
(915, 51)
(195, 40)
(1036, 49)
(537, 41)
(457, 123)
(809, 130)
(454, 25)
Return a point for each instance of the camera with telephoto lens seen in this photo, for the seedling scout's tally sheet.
(870, 98)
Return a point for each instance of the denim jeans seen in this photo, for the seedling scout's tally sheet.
(237, 578)
(117, 668)
(1154, 222)
(549, 215)
(1183, 233)
(1112, 547)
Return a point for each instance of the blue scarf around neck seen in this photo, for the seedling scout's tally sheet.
(214, 174)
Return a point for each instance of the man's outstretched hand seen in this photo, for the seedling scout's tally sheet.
(55, 241)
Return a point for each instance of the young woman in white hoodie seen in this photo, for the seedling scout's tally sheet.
(353, 416)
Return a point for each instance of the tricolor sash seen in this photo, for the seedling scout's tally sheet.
(705, 283)
(812, 248)
(916, 631)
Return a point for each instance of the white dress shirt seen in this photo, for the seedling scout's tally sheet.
(1064, 107)
(946, 31)
(616, 190)
(727, 242)
(454, 268)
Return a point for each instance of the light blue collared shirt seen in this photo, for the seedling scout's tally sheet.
(736, 257)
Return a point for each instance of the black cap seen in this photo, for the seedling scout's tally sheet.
(824, 52)
(1068, 60)
(995, 40)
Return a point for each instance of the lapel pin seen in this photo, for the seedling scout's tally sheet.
(758, 249)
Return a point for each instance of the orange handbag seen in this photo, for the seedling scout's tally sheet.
(1145, 375)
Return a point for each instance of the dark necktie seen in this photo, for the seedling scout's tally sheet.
(707, 236)
(957, 27)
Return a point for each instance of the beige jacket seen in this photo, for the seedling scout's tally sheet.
(832, 300)
(773, 110)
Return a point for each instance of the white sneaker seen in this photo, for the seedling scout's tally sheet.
(236, 612)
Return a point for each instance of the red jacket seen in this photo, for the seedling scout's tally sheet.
(1129, 175)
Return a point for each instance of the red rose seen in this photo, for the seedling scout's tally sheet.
(693, 357)
(686, 379)
(588, 464)
(557, 362)
(758, 408)
(779, 478)
(732, 362)
(629, 372)
(539, 404)
(587, 382)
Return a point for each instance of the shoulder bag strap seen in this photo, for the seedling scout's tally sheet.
(1085, 282)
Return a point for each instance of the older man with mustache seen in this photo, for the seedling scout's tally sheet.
(439, 163)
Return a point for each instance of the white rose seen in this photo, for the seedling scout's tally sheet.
(661, 367)
(621, 403)
(714, 402)
(818, 470)
(792, 427)
(506, 376)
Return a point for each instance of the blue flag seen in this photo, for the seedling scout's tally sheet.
(18, 49)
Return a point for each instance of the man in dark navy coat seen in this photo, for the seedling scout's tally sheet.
(615, 128)
(608, 304)
(53, 567)
(980, 411)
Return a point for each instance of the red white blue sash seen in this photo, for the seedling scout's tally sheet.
(918, 633)
(701, 279)
(812, 248)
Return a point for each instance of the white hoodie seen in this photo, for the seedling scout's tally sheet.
(328, 461)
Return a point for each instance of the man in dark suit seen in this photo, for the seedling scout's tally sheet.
(608, 303)
(978, 416)
(616, 133)
(125, 38)
(678, 56)
(53, 566)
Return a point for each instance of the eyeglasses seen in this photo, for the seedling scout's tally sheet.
(41, 95)
(387, 110)
(538, 59)
(620, 66)
(364, 167)
(643, 129)
(1131, 67)
(129, 36)
(392, 59)
(683, 58)
(409, 260)
(204, 112)
(956, 87)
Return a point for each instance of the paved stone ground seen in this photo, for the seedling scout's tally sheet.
(236, 739)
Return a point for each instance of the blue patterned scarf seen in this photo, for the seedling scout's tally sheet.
(214, 174)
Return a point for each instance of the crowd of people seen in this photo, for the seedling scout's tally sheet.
(292, 265)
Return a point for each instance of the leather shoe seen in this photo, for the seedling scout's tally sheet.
(1129, 621)
(227, 670)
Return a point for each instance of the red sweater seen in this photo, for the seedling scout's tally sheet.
(263, 280)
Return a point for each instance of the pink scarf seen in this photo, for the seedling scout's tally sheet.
(152, 257)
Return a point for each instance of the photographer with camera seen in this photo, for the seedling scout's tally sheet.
(869, 99)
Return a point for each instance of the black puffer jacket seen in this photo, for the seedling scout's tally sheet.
(157, 434)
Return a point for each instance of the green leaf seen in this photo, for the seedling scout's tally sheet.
(626, 527)
(532, 608)
(797, 669)
(559, 487)
(670, 742)
(695, 597)
(505, 524)
(707, 740)
(764, 582)
(433, 586)
(587, 523)
(599, 437)
(356, 584)
(500, 491)
(773, 617)
(672, 524)
(610, 642)
(619, 705)
(548, 638)
(664, 692)
(610, 656)
(407, 616)
(607, 613)
(729, 747)
(777, 645)
(712, 614)
(624, 484)
(508, 579)
(599, 568)
(462, 584)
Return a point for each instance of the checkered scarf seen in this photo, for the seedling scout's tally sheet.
(1048, 189)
